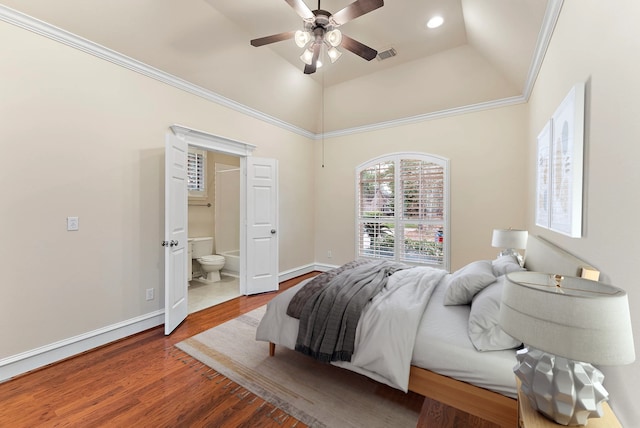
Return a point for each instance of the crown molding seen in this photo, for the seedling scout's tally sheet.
(551, 15)
(52, 32)
(428, 116)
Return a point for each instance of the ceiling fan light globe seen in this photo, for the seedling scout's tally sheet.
(302, 38)
(307, 56)
(334, 54)
(334, 37)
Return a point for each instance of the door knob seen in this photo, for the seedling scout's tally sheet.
(173, 243)
(165, 243)
(273, 231)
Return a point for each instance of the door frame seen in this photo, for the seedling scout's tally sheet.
(219, 144)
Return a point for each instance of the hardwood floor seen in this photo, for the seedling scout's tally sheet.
(145, 381)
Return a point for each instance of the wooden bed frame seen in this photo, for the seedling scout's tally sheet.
(540, 256)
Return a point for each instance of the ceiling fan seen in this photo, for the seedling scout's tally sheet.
(321, 29)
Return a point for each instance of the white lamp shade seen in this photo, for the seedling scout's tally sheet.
(509, 238)
(334, 37)
(307, 56)
(333, 54)
(302, 38)
(581, 320)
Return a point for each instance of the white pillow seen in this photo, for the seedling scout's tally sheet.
(467, 281)
(484, 330)
(506, 264)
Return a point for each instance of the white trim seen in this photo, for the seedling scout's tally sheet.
(551, 15)
(427, 116)
(208, 141)
(52, 32)
(33, 359)
(322, 267)
(302, 270)
(39, 357)
(295, 272)
(27, 22)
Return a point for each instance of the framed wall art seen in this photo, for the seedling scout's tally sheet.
(560, 167)
(543, 176)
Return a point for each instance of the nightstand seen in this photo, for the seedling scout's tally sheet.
(529, 418)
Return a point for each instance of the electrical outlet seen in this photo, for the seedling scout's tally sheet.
(73, 223)
(329, 255)
(149, 293)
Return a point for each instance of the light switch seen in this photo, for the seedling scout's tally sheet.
(72, 223)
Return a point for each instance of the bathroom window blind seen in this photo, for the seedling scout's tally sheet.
(196, 172)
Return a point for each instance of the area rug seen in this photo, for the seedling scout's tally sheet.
(319, 395)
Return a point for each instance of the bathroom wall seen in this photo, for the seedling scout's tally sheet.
(202, 219)
(227, 207)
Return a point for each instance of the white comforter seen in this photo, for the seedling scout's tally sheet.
(386, 333)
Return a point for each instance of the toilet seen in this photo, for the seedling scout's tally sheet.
(202, 249)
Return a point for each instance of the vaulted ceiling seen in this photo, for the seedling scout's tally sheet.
(484, 51)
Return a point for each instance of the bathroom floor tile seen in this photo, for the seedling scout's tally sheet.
(203, 296)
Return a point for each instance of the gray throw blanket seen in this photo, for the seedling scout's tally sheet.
(329, 318)
(318, 283)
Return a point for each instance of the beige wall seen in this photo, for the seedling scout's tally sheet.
(487, 164)
(596, 43)
(83, 137)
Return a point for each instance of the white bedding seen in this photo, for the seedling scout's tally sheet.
(396, 335)
(443, 346)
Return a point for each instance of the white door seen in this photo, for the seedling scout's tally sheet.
(175, 227)
(261, 269)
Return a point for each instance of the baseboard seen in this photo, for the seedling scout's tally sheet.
(18, 364)
(36, 358)
(301, 270)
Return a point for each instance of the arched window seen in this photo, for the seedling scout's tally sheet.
(402, 209)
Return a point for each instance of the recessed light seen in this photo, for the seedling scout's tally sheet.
(435, 22)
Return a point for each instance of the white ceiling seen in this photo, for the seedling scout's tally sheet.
(483, 52)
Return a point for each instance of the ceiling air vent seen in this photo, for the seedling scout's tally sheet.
(387, 54)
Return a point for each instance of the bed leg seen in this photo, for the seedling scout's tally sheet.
(272, 349)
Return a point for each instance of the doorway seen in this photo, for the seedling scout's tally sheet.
(214, 212)
(258, 218)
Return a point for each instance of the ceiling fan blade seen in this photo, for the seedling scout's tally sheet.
(311, 68)
(273, 38)
(301, 9)
(356, 9)
(358, 48)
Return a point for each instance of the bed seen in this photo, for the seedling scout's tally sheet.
(433, 349)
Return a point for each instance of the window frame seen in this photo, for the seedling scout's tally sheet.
(397, 216)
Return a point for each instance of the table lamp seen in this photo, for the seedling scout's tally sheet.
(510, 240)
(567, 324)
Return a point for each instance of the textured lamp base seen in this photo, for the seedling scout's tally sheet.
(514, 253)
(566, 391)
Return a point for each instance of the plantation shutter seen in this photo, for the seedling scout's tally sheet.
(422, 220)
(196, 167)
(402, 205)
(377, 210)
